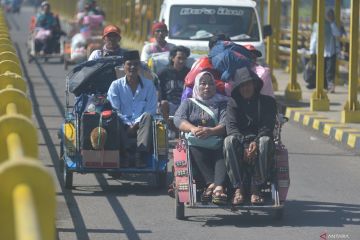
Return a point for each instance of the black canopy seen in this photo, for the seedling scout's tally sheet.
(93, 76)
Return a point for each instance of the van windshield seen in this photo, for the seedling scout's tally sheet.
(189, 22)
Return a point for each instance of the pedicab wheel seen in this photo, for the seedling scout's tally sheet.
(68, 177)
(179, 207)
(278, 214)
(161, 179)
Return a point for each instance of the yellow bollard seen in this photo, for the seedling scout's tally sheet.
(351, 112)
(261, 10)
(15, 80)
(22, 126)
(293, 89)
(5, 41)
(9, 56)
(8, 65)
(7, 47)
(337, 9)
(17, 97)
(14, 223)
(26, 219)
(319, 100)
(270, 44)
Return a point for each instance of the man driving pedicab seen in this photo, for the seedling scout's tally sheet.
(250, 123)
(135, 100)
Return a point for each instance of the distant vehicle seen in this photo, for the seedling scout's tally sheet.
(192, 23)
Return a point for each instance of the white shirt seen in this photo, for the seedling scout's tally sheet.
(331, 44)
(151, 48)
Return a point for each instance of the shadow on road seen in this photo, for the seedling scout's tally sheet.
(297, 214)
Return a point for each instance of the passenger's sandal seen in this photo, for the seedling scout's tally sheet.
(219, 197)
(257, 199)
(238, 198)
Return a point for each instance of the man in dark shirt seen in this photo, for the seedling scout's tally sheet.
(172, 81)
(250, 123)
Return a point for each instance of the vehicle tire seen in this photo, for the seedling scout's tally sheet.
(68, 177)
(179, 207)
(161, 179)
(278, 214)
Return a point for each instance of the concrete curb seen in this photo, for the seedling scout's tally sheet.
(337, 131)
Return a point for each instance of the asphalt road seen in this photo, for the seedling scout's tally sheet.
(323, 197)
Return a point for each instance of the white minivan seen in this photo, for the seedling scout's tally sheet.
(191, 23)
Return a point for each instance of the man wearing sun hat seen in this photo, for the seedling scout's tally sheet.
(135, 100)
(111, 37)
(159, 31)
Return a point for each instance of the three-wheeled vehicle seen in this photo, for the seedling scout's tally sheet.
(77, 153)
(188, 192)
(37, 36)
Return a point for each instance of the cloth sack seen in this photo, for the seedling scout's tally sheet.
(42, 34)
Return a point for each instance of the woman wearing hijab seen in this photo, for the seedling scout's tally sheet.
(204, 123)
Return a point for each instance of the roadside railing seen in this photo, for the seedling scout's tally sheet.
(27, 194)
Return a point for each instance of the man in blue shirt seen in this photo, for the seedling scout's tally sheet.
(135, 100)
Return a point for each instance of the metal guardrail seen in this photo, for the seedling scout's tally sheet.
(27, 193)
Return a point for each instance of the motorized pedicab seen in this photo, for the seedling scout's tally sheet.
(77, 153)
(187, 191)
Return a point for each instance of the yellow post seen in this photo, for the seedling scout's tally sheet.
(319, 100)
(313, 12)
(293, 89)
(27, 228)
(351, 112)
(261, 9)
(337, 21)
(14, 145)
(277, 20)
(270, 44)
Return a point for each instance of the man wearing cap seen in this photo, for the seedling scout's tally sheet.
(160, 31)
(135, 100)
(263, 72)
(111, 37)
(249, 125)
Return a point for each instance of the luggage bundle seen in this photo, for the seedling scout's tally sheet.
(223, 60)
(93, 76)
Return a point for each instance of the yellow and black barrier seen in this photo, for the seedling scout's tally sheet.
(27, 193)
